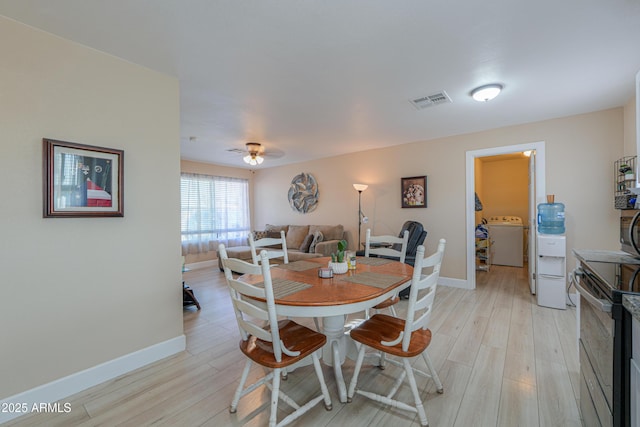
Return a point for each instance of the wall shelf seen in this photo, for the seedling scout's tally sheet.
(483, 253)
(624, 170)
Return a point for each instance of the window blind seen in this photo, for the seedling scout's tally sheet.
(214, 210)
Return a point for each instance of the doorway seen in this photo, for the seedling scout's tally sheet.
(537, 192)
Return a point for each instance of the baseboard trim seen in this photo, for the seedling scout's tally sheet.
(79, 381)
(202, 264)
(454, 283)
(572, 299)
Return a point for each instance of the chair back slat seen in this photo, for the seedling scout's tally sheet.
(251, 329)
(386, 251)
(250, 312)
(247, 289)
(423, 291)
(237, 265)
(425, 299)
(266, 243)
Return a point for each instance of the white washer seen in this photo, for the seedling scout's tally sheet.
(506, 233)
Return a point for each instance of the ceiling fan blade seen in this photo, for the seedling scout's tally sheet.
(236, 151)
(272, 153)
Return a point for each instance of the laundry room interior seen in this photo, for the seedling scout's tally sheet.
(502, 210)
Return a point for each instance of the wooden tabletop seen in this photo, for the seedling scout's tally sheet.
(337, 291)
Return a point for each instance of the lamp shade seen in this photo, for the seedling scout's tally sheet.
(253, 159)
(360, 187)
(486, 92)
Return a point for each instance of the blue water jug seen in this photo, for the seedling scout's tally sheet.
(551, 218)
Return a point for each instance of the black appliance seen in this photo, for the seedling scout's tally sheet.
(605, 335)
(630, 231)
(417, 234)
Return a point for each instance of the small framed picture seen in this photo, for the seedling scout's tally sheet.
(81, 180)
(414, 192)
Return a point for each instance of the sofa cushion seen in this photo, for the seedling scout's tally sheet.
(306, 243)
(297, 256)
(295, 235)
(329, 232)
(240, 252)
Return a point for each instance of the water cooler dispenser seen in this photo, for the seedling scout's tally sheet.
(551, 265)
(551, 277)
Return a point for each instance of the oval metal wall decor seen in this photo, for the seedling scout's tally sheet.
(303, 193)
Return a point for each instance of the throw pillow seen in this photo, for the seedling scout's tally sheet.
(329, 232)
(257, 235)
(295, 235)
(269, 228)
(317, 238)
(306, 243)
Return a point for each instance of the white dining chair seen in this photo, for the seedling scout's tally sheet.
(403, 338)
(386, 246)
(275, 346)
(276, 247)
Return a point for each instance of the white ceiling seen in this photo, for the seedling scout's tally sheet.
(319, 78)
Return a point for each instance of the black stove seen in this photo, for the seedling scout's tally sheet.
(615, 273)
(605, 335)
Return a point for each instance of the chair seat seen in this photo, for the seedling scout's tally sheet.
(382, 327)
(387, 303)
(295, 338)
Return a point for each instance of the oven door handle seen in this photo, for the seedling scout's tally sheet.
(600, 304)
(632, 234)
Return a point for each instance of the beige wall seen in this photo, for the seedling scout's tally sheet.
(630, 144)
(580, 151)
(75, 293)
(190, 166)
(505, 188)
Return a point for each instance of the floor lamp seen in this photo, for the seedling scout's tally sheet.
(361, 218)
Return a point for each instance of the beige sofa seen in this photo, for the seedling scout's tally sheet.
(300, 239)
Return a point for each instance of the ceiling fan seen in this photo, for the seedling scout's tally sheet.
(254, 153)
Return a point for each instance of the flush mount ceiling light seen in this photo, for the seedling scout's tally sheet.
(254, 157)
(486, 93)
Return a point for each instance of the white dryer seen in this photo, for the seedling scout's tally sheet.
(506, 234)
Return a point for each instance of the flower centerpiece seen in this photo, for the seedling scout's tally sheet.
(338, 264)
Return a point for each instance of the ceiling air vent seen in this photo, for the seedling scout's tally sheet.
(430, 100)
(236, 151)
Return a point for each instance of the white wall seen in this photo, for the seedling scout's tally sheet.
(76, 293)
(580, 152)
(630, 145)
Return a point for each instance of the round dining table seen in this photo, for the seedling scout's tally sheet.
(300, 292)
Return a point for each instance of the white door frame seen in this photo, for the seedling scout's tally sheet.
(533, 228)
(470, 184)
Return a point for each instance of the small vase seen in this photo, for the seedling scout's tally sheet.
(339, 267)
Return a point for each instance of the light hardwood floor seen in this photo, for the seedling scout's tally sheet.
(503, 361)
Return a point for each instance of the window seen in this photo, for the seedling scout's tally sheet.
(214, 210)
